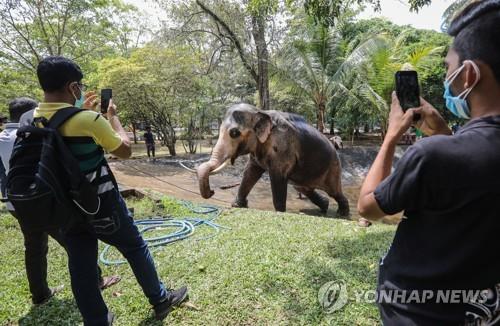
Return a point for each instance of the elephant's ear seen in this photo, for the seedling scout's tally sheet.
(263, 126)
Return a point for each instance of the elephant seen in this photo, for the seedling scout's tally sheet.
(286, 146)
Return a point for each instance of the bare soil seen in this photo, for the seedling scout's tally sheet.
(165, 175)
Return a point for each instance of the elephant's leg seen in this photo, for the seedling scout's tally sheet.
(252, 174)
(279, 185)
(334, 190)
(316, 198)
(343, 203)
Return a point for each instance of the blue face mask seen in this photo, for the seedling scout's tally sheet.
(458, 104)
(79, 101)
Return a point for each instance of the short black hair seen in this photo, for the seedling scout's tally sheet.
(476, 31)
(19, 106)
(55, 72)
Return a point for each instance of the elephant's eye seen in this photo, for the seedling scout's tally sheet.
(234, 133)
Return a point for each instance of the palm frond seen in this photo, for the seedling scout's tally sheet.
(452, 11)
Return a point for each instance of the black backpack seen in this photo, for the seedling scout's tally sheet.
(44, 182)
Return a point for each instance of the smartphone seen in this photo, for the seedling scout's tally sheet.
(407, 89)
(106, 95)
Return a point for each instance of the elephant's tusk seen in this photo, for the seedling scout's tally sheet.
(220, 168)
(189, 169)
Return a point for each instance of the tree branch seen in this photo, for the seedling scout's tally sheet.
(233, 38)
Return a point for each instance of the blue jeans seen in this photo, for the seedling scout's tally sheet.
(115, 227)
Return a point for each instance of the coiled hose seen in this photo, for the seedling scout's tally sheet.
(185, 228)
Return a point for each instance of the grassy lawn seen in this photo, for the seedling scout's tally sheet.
(266, 270)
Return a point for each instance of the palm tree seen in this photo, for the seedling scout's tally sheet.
(370, 83)
(313, 64)
(452, 11)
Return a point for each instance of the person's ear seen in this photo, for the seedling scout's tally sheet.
(471, 75)
(263, 126)
(73, 89)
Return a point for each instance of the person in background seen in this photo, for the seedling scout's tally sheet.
(17, 108)
(149, 138)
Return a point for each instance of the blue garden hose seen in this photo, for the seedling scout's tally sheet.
(185, 228)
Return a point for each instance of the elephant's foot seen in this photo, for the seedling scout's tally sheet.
(343, 211)
(364, 222)
(323, 204)
(240, 203)
(321, 201)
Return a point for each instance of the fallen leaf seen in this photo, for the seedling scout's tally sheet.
(189, 305)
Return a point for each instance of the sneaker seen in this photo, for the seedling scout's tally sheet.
(53, 292)
(174, 299)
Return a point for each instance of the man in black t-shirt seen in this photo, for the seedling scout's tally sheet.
(150, 141)
(445, 250)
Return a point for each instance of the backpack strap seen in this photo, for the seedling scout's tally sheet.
(61, 116)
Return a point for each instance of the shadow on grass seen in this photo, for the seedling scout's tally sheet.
(150, 321)
(332, 213)
(54, 312)
(357, 257)
(356, 263)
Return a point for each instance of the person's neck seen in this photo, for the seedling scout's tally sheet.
(484, 105)
(58, 98)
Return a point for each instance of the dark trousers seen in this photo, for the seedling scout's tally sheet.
(150, 148)
(393, 316)
(116, 228)
(35, 257)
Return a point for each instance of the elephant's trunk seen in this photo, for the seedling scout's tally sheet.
(204, 170)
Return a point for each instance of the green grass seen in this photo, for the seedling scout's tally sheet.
(266, 270)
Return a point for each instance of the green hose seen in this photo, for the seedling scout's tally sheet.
(185, 228)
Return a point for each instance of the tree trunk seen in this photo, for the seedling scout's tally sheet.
(259, 35)
(134, 132)
(321, 117)
(171, 149)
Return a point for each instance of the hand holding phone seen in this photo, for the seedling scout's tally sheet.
(106, 95)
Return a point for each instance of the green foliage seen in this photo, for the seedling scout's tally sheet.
(16, 83)
(308, 64)
(157, 85)
(373, 81)
(326, 12)
(86, 31)
(31, 30)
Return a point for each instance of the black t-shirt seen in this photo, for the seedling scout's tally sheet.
(148, 137)
(449, 190)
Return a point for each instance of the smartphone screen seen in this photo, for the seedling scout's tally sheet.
(106, 95)
(407, 89)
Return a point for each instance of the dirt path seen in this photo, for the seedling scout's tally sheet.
(175, 181)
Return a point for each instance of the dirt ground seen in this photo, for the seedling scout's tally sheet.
(165, 175)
